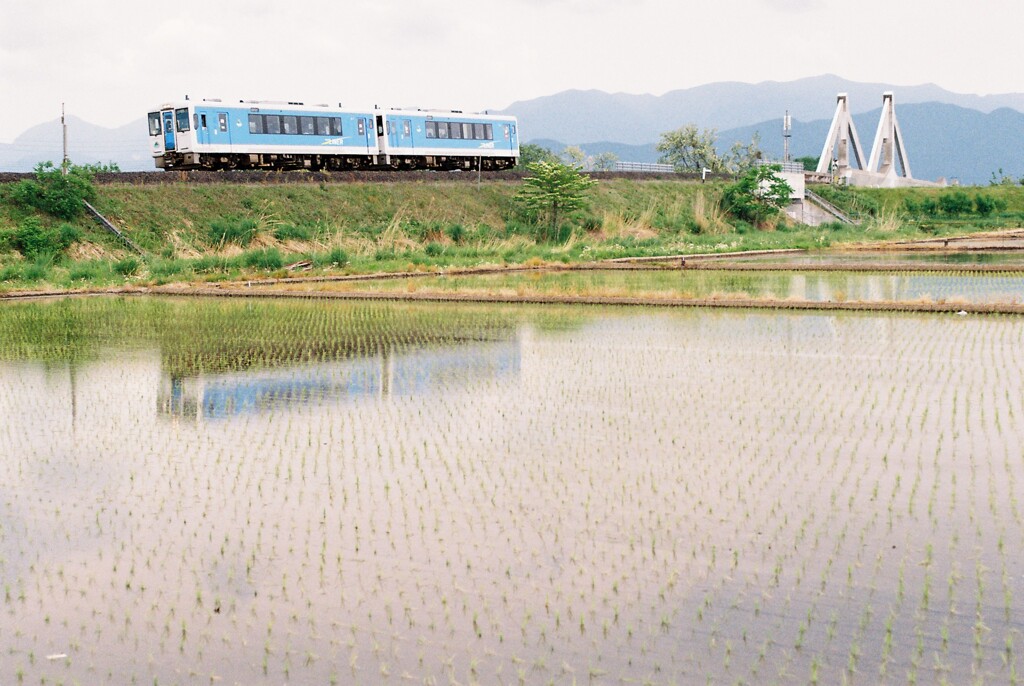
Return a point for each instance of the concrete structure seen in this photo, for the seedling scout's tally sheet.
(842, 136)
(888, 165)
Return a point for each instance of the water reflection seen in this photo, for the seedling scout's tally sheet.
(385, 374)
(817, 286)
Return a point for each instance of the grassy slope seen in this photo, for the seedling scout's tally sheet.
(385, 227)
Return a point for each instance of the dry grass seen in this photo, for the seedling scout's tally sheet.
(86, 250)
(619, 225)
(708, 216)
(887, 221)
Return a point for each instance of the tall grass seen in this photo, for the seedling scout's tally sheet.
(708, 217)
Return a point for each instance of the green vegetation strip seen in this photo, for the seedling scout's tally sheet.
(735, 303)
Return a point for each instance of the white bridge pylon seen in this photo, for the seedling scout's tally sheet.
(888, 142)
(887, 149)
(842, 135)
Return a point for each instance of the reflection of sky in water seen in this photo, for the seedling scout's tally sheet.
(408, 372)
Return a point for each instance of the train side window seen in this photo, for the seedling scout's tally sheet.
(467, 131)
(442, 129)
(255, 123)
(456, 130)
(272, 123)
(336, 126)
(307, 126)
(431, 128)
(488, 132)
(202, 120)
(323, 126)
(154, 124)
(289, 124)
(222, 121)
(361, 126)
(406, 128)
(181, 120)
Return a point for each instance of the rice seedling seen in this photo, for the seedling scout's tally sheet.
(482, 493)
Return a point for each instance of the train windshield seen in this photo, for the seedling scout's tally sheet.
(182, 122)
(154, 123)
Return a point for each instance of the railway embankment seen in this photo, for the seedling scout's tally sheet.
(203, 227)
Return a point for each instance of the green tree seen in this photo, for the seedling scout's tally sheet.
(553, 190)
(689, 149)
(574, 156)
(742, 157)
(56, 193)
(530, 153)
(956, 203)
(605, 161)
(810, 163)
(758, 195)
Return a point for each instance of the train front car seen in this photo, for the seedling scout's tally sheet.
(420, 139)
(209, 134)
(170, 135)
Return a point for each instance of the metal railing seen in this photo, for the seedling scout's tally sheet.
(644, 167)
(830, 208)
(105, 223)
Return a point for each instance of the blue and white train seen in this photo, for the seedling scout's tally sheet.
(210, 134)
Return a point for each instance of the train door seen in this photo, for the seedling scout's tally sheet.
(169, 130)
(364, 127)
(202, 126)
(223, 131)
(510, 136)
(382, 141)
(406, 134)
(392, 127)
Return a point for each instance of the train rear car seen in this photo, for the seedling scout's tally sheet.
(422, 139)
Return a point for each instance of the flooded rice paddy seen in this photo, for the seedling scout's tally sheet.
(1010, 258)
(342, 492)
(820, 286)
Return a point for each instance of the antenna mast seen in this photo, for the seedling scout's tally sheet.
(64, 126)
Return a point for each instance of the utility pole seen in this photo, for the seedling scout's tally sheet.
(66, 163)
(787, 133)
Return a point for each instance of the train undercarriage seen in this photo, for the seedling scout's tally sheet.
(216, 162)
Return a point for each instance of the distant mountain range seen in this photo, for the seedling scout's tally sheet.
(588, 116)
(942, 141)
(951, 135)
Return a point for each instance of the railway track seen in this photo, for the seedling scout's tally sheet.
(151, 178)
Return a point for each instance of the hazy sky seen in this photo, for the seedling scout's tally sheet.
(112, 60)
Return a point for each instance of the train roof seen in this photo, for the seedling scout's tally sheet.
(303, 107)
(269, 104)
(451, 114)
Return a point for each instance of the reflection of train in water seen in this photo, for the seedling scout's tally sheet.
(409, 372)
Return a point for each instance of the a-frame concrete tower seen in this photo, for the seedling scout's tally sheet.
(888, 165)
(888, 143)
(842, 136)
